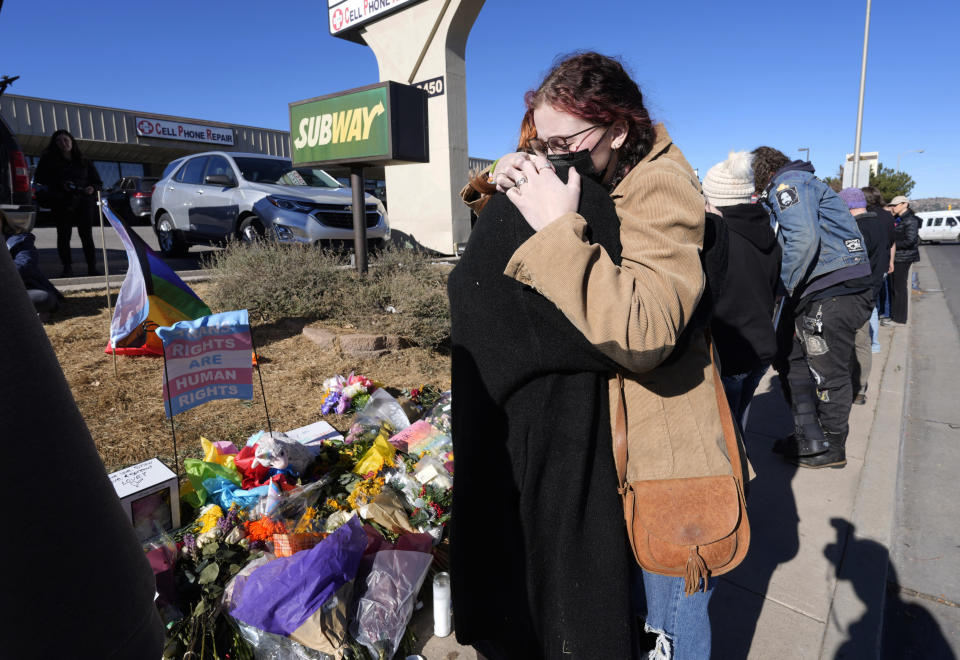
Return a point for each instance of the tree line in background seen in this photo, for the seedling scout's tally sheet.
(888, 181)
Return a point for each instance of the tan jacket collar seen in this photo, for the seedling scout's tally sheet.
(661, 142)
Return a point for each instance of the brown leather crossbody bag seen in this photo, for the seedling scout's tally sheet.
(694, 527)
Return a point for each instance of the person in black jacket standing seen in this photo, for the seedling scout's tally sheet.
(875, 204)
(742, 323)
(535, 509)
(908, 252)
(67, 183)
(877, 240)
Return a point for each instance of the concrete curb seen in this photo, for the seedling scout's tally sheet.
(860, 590)
(96, 282)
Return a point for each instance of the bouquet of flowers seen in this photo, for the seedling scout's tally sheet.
(432, 507)
(343, 395)
(208, 559)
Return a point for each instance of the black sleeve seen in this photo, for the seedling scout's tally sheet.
(911, 234)
(93, 176)
(42, 175)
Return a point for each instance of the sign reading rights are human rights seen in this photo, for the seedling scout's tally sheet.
(382, 124)
(206, 359)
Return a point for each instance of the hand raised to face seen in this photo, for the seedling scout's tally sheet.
(540, 195)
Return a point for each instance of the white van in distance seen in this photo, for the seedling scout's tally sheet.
(936, 226)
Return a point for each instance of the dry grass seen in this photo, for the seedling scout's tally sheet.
(404, 293)
(125, 414)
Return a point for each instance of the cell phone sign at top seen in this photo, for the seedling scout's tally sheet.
(433, 87)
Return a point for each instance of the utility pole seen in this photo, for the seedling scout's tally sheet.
(863, 81)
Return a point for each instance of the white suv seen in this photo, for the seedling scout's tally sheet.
(211, 197)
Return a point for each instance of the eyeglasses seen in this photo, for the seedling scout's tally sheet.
(559, 144)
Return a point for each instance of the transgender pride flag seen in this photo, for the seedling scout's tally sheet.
(206, 359)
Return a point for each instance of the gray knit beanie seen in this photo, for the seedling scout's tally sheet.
(730, 181)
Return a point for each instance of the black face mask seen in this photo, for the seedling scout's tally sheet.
(578, 160)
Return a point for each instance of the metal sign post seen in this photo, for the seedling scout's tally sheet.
(359, 218)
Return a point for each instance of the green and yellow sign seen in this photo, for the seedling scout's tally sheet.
(383, 124)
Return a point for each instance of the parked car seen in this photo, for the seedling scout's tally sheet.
(215, 196)
(16, 196)
(135, 191)
(936, 226)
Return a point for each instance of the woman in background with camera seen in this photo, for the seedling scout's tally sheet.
(67, 182)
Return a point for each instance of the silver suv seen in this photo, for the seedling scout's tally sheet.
(214, 196)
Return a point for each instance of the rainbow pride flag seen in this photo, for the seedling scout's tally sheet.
(151, 295)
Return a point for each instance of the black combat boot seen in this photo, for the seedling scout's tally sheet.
(807, 438)
(804, 441)
(834, 457)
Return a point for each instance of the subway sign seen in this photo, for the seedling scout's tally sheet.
(382, 124)
(175, 130)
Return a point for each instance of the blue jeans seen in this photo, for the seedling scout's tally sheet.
(883, 298)
(681, 622)
(875, 331)
(739, 389)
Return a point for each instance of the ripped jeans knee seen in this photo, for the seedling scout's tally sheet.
(663, 646)
(681, 623)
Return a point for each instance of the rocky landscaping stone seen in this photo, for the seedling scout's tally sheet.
(321, 336)
(364, 343)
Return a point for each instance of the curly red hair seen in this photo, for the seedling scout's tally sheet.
(598, 89)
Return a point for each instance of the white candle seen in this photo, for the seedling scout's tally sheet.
(441, 604)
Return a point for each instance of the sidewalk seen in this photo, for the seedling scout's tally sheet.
(814, 582)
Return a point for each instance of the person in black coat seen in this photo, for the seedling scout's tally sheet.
(67, 183)
(79, 567)
(876, 238)
(744, 285)
(908, 252)
(876, 205)
(539, 556)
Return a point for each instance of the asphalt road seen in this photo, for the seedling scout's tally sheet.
(116, 255)
(922, 614)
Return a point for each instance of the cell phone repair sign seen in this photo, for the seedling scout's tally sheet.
(175, 130)
(348, 15)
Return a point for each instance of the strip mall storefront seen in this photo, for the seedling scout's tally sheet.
(131, 143)
(126, 142)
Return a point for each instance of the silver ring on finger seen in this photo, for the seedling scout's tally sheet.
(522, 180)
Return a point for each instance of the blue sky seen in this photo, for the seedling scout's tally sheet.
(721, 75)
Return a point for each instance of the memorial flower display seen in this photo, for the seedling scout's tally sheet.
(270, 561)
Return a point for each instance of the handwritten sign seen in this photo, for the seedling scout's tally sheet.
(206, 359)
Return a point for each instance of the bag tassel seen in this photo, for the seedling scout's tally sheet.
(696, 570)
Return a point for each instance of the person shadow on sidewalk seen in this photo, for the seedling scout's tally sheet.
(908, 629)
(774, 528)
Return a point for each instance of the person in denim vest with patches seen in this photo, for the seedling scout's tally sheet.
(825, 272)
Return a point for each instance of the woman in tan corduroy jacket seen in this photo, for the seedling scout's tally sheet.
(633, 311)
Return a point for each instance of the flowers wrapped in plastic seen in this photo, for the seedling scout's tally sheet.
(304, 596)
(389, 592)
(340, 395)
